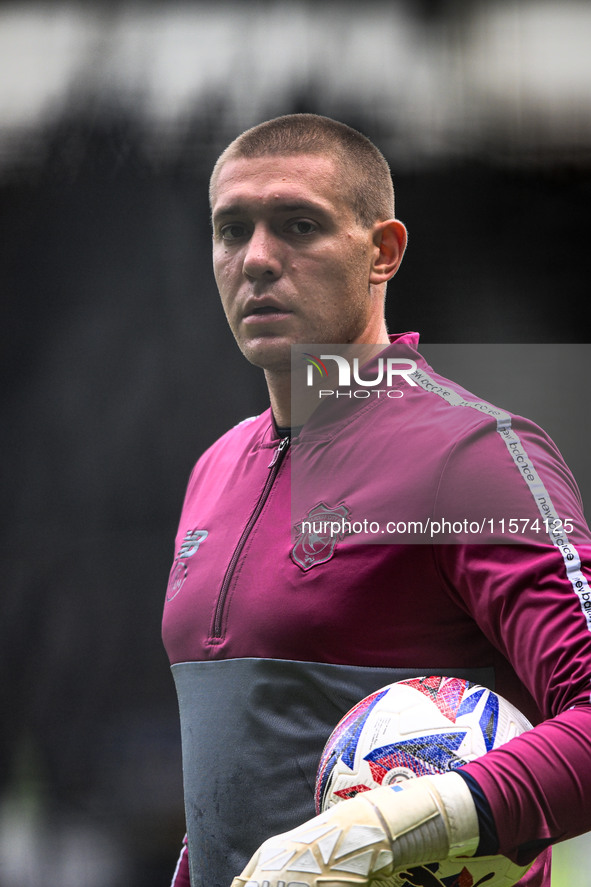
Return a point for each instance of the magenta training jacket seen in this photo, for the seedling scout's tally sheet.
(420, 532)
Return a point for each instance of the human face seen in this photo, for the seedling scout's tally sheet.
(291, 261)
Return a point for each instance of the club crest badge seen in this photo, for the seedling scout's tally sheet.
(318, 534)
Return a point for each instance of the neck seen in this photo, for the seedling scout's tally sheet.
(290, 411)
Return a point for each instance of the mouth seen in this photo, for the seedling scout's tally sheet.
(254, 313)
(267, 309)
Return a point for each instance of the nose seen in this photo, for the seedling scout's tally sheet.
(262, 258)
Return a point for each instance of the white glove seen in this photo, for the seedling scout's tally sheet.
(371, 836)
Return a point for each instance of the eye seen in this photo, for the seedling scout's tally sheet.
(302, 227)
(232, 231)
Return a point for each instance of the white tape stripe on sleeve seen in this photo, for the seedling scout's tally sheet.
(523, 463)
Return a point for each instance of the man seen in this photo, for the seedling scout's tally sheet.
(273, 633)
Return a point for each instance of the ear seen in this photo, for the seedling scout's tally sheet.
(389, 240)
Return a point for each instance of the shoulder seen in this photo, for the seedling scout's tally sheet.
(230, 450)
(242, 436)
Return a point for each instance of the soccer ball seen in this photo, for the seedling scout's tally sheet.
(412, 728)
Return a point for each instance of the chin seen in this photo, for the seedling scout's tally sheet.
(275, 358)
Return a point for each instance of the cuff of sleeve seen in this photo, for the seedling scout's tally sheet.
(489, 839)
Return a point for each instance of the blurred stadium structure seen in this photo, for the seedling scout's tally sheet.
(118, 364)
(436, 79)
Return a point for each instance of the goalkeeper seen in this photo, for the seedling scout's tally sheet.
(275, 630)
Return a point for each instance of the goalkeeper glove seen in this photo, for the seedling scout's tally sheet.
(371, 836)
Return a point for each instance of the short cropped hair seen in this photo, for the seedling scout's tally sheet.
(366, 174)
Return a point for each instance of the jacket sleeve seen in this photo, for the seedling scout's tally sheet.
(181, 872)
(530, 595)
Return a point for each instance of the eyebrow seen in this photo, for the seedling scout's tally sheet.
(238, 208)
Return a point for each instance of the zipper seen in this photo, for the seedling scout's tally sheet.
(274, 466)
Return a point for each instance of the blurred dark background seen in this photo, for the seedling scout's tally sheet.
(118, 368)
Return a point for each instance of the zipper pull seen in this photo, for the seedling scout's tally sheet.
(281, 447)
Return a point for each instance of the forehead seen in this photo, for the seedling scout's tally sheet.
(268, 182)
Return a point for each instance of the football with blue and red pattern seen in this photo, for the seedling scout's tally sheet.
(412, 728)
